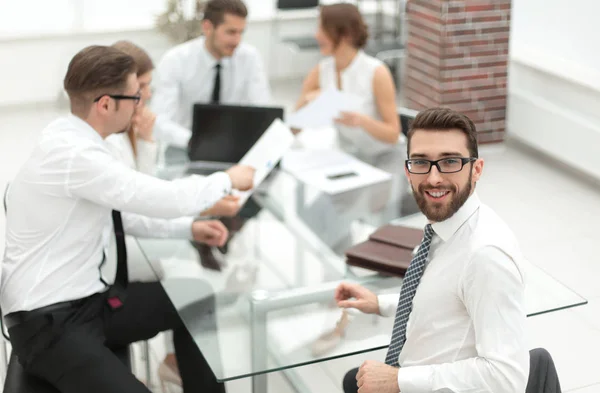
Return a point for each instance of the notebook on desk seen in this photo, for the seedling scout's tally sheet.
(389, 250)
(223, 134)
(380, 257)
(398, 236)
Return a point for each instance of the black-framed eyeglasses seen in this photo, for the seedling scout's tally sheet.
(421, 166)
(135, 98)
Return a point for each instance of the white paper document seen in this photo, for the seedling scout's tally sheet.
(322, 111)
(266, 153)
(332, 171)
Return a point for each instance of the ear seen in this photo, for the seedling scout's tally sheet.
(103, 104)
(207, 27)
(477, 170)
(407, 173)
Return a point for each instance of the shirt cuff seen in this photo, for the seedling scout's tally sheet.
(418, 379)
(222, 180)
(181, 228)
(388, 304)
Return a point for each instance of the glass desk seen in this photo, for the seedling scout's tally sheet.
(274, 297)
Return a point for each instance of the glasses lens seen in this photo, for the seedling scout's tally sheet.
(419, 166)
(450, 165)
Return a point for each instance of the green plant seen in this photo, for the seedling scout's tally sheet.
(177, 24)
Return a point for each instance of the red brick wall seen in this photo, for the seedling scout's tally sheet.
(457, 57)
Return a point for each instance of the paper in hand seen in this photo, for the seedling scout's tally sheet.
(323, 110)
(266, 153)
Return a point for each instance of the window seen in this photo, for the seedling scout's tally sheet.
(35, 17)
(20, 18)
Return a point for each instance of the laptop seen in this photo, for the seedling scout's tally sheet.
(223, 134)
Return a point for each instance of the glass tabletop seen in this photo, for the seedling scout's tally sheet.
(272, 300)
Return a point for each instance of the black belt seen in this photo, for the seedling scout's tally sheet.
(16, 318)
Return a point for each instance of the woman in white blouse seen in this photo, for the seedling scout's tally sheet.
(371, 133)
(374, 129)
(136, 147)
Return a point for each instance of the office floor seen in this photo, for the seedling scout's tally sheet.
(552, 212)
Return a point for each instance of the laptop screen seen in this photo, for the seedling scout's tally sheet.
(224, 133)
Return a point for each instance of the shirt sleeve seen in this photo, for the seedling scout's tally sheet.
(171, 133)
(93, 174)
(388, 304)
(142, 226)
(259, 92)
(147, 153)
(492, 291)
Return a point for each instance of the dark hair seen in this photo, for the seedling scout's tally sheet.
(445, 119)
(215, 10)
(142, 59)
(344, 20)
(94, 71)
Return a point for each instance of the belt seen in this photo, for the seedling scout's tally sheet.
(16, 318)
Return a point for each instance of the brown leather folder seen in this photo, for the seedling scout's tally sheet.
(381, 257)
(399, 236)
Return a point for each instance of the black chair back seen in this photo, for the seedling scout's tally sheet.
(296, 4)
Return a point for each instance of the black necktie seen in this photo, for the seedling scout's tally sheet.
(216, 94)
(117, 293)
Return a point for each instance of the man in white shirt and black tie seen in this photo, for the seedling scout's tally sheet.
(217, 68)
(460, 319)
(62, 315)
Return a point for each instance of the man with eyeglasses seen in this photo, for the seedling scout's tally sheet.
(63, 316)
(460, 319)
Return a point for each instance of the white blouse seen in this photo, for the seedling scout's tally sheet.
(356, 79)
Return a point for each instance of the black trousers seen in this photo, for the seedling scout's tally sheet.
(71, 349)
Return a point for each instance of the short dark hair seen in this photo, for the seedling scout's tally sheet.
(215, 10)
(344, 20)
(445, 119)
(142, 59)
(94, 71)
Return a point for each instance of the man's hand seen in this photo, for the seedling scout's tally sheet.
(351, 119)
(349, 295)
(242, 177)
(228, 206)
(212, 233)
(377, 377)
(143, 123)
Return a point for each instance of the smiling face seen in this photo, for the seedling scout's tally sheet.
(440, 195)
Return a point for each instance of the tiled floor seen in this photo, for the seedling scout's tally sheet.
(552, 212)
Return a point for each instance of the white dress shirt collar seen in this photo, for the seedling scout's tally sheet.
(447, 228)
(208, 57)
(85, 128)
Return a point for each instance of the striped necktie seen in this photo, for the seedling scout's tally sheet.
(407, 293)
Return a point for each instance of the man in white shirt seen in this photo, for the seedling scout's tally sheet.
(62, 315)
(460, 319)
(216, 68)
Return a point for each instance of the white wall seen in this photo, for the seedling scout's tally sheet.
(32, 69)
(554, 80)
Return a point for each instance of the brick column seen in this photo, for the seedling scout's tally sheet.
(458, 58)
